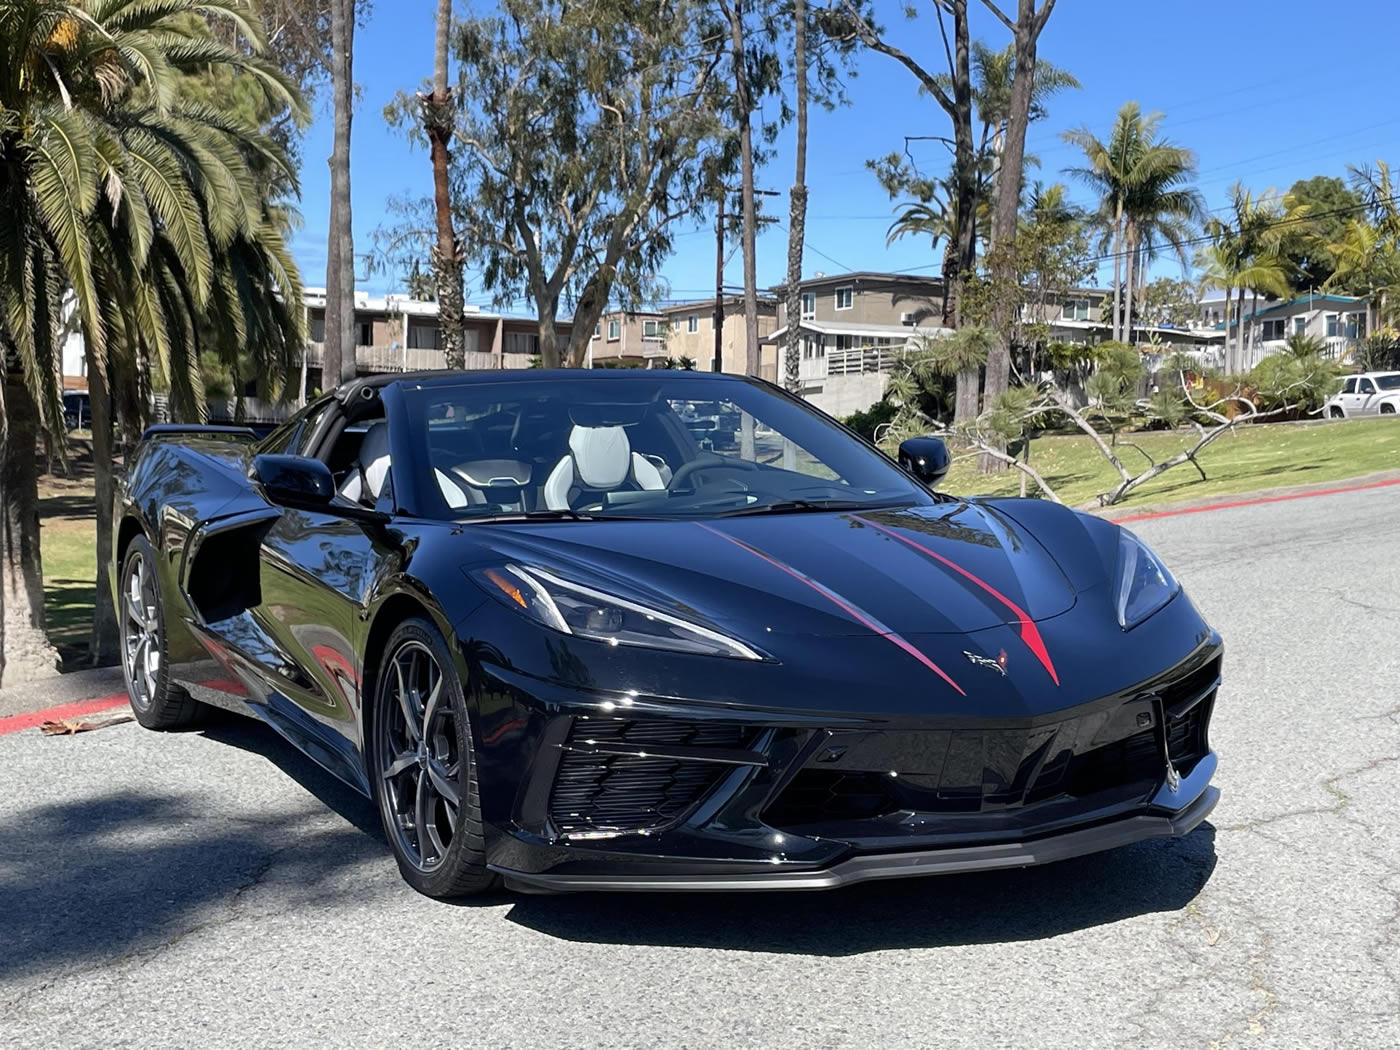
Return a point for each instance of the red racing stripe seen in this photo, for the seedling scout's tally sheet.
(1030, 634)
(863, 618)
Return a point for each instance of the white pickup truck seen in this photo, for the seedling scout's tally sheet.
(1367, 394)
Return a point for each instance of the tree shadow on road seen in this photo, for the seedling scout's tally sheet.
(95, 878)
(988, 908)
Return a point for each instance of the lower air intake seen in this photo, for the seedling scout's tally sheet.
(598, 794)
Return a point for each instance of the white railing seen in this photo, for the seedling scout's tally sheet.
(861, 360)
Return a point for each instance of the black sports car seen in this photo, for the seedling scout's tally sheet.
(557, 641)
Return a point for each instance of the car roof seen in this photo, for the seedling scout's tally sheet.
(444, 377)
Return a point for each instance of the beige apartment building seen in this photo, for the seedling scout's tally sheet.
(647, 338)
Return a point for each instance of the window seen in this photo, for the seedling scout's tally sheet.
(1356, 326)
(812, 346)
(1271, 330)
(318, 328)
(1300, 325)
(522, 343)
(364, 333)
(1331, 325)
(424, 336)
(291, 438)
(1366, 387)
(652, 329)
(844, 298)
(809, 305)
(1075, 310)
(1349, 387)
(597, 329)
(692, 323)
(614, 329)
(845, 342)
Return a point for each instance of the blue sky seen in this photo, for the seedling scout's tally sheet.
(1267, 91)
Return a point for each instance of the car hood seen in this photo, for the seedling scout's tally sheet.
(949, 568)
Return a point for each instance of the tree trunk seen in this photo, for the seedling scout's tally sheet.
(1239, 343)
(102, 643)
(1253, 309)
(438, 122)
(1225, 363)
(744, 117)
(1130, 252)
(1029, 24)
(797, 221)
(1117, 270)
(965, 404)
(340, 250)
(25, 652)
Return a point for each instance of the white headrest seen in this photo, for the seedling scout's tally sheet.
(602, 455)
(374, 457)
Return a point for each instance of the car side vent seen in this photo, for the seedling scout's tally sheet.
(223, 579)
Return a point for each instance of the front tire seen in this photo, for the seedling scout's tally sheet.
(1387, 410)
(156, 703)
(1334, 412)
(424, 767)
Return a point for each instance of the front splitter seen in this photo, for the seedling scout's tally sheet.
(870, 867)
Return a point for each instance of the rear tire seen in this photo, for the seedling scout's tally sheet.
(155, 701)
(1334, 412)
(1387, 410)
(423, 766)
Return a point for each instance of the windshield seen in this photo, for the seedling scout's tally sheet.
(637, 446)
(1389, 382)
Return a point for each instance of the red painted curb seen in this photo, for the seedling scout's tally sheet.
(1255, 502)
(30, 719)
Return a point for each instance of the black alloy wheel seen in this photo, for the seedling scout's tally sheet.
(423, 764)
(156, 703)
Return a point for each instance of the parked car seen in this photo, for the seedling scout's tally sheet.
(480, 600)
(77, 409)
(1365, 394)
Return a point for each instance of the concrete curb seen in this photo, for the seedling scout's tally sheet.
(61, 689)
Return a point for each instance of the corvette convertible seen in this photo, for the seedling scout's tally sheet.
(563, 638)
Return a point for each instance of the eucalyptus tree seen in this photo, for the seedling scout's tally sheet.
(583, 136)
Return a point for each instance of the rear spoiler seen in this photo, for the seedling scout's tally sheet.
(173, 429)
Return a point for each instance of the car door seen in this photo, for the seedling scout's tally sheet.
(1366, 400)
(317, 568)
(1346, 397)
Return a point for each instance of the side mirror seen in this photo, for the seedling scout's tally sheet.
(926, 458)
(297, 481)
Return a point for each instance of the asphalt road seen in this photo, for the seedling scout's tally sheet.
(215, 889)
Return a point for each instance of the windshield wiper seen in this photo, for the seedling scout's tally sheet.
(806, 506)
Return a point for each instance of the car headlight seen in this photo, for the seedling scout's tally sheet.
(571, 608)
(1144, 583)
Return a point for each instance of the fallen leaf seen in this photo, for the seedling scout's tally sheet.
(1212, 935)
(69, 726)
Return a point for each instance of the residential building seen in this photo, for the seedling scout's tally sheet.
(635, 338)
(690, 332)
(1338, 320)
(395, 333)
(853, 327)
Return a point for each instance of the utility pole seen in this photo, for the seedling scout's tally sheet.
(719, 286)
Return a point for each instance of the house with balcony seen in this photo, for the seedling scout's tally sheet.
(631, 338)
(395, 333)
(1339, 321)
(852, 328)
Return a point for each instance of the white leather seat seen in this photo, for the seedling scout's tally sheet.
(372, 466)
(373, 470)
(600, 460)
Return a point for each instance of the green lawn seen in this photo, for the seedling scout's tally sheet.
(68, 546)
(1253, 457)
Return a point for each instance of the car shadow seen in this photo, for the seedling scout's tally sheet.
(991, 907)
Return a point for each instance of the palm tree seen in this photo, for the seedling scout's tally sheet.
(438, 121)
(142, 206)
(797, 221)
(1246, 254)
(1143, 186)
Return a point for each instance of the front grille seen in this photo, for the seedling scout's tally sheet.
(597, 793)
(1186, 736)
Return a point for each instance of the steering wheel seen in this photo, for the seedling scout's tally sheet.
(708, 461)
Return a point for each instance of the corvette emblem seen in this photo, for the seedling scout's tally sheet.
(998, 665)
